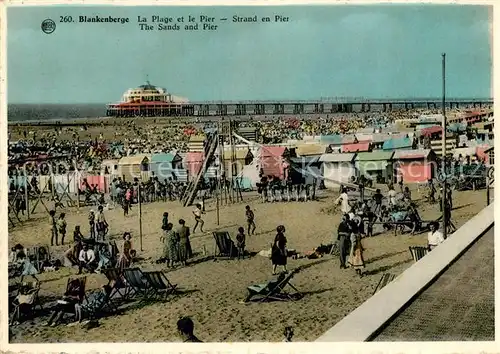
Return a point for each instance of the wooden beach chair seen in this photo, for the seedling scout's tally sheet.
(27, 299)
(418, 252)
(117, 282)
(274, 289)
(224, 246)
(139, 283)
(76, 286)
(38, 255)
(95, 309)
(161, 287)
(385, 279)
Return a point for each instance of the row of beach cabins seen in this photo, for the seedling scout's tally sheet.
(333, 158)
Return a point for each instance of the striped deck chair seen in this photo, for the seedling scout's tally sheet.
(26, 300)
(139, 283)
(224, 245)
(76, 287)
(160, 285)
(274, 289)
(418, 252)
(385, 279)
(95, 305)
(118, 283)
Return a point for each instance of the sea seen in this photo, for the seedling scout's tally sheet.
(47, 112)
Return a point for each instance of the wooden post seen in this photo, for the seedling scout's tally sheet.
(140, 214)
(26, 195)
(487, 188)
(52, 189)
(217, 180)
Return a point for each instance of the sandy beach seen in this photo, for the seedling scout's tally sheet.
(212, 291)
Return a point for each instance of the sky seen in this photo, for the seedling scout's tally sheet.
(381, 51)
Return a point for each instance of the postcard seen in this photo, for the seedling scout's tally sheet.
(234, 174)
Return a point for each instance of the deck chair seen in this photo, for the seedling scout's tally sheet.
(27, 299)
(96, 307)
(224, 246)
(76, 286)
(137, 281)
(160, 285)
(273, 289)
(418, 252)
(38, 255)
(117, 282)
(385, 279)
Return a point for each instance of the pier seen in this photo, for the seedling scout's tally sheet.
(299, 107)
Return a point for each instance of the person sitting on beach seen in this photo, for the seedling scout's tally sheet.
(86, 259)
(72, 254)
(94, 301)
(67, 304)
(240, 242)
(185, 328)
(434, 237)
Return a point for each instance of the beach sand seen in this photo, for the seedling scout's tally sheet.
(213, 290)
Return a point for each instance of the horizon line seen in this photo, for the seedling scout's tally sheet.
(291, 101)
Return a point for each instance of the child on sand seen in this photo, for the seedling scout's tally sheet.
(61, 227)
(250, 220)
(240, 242)
(197, 217)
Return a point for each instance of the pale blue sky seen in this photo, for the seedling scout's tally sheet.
(335, 51)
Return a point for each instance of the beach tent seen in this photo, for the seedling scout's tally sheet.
(305, 169)
(376, 165)
(490, 156)
(415, 166)
(242, 157)
(109, 167)
(134, 166)
(193, 162)
(273, 160)
(196, 143)
(162, 165)
(337, 168)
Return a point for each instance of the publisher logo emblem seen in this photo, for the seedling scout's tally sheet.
(48, 26)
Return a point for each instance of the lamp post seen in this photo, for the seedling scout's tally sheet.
(443, 149)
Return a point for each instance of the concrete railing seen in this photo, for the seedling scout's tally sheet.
(361, 324)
